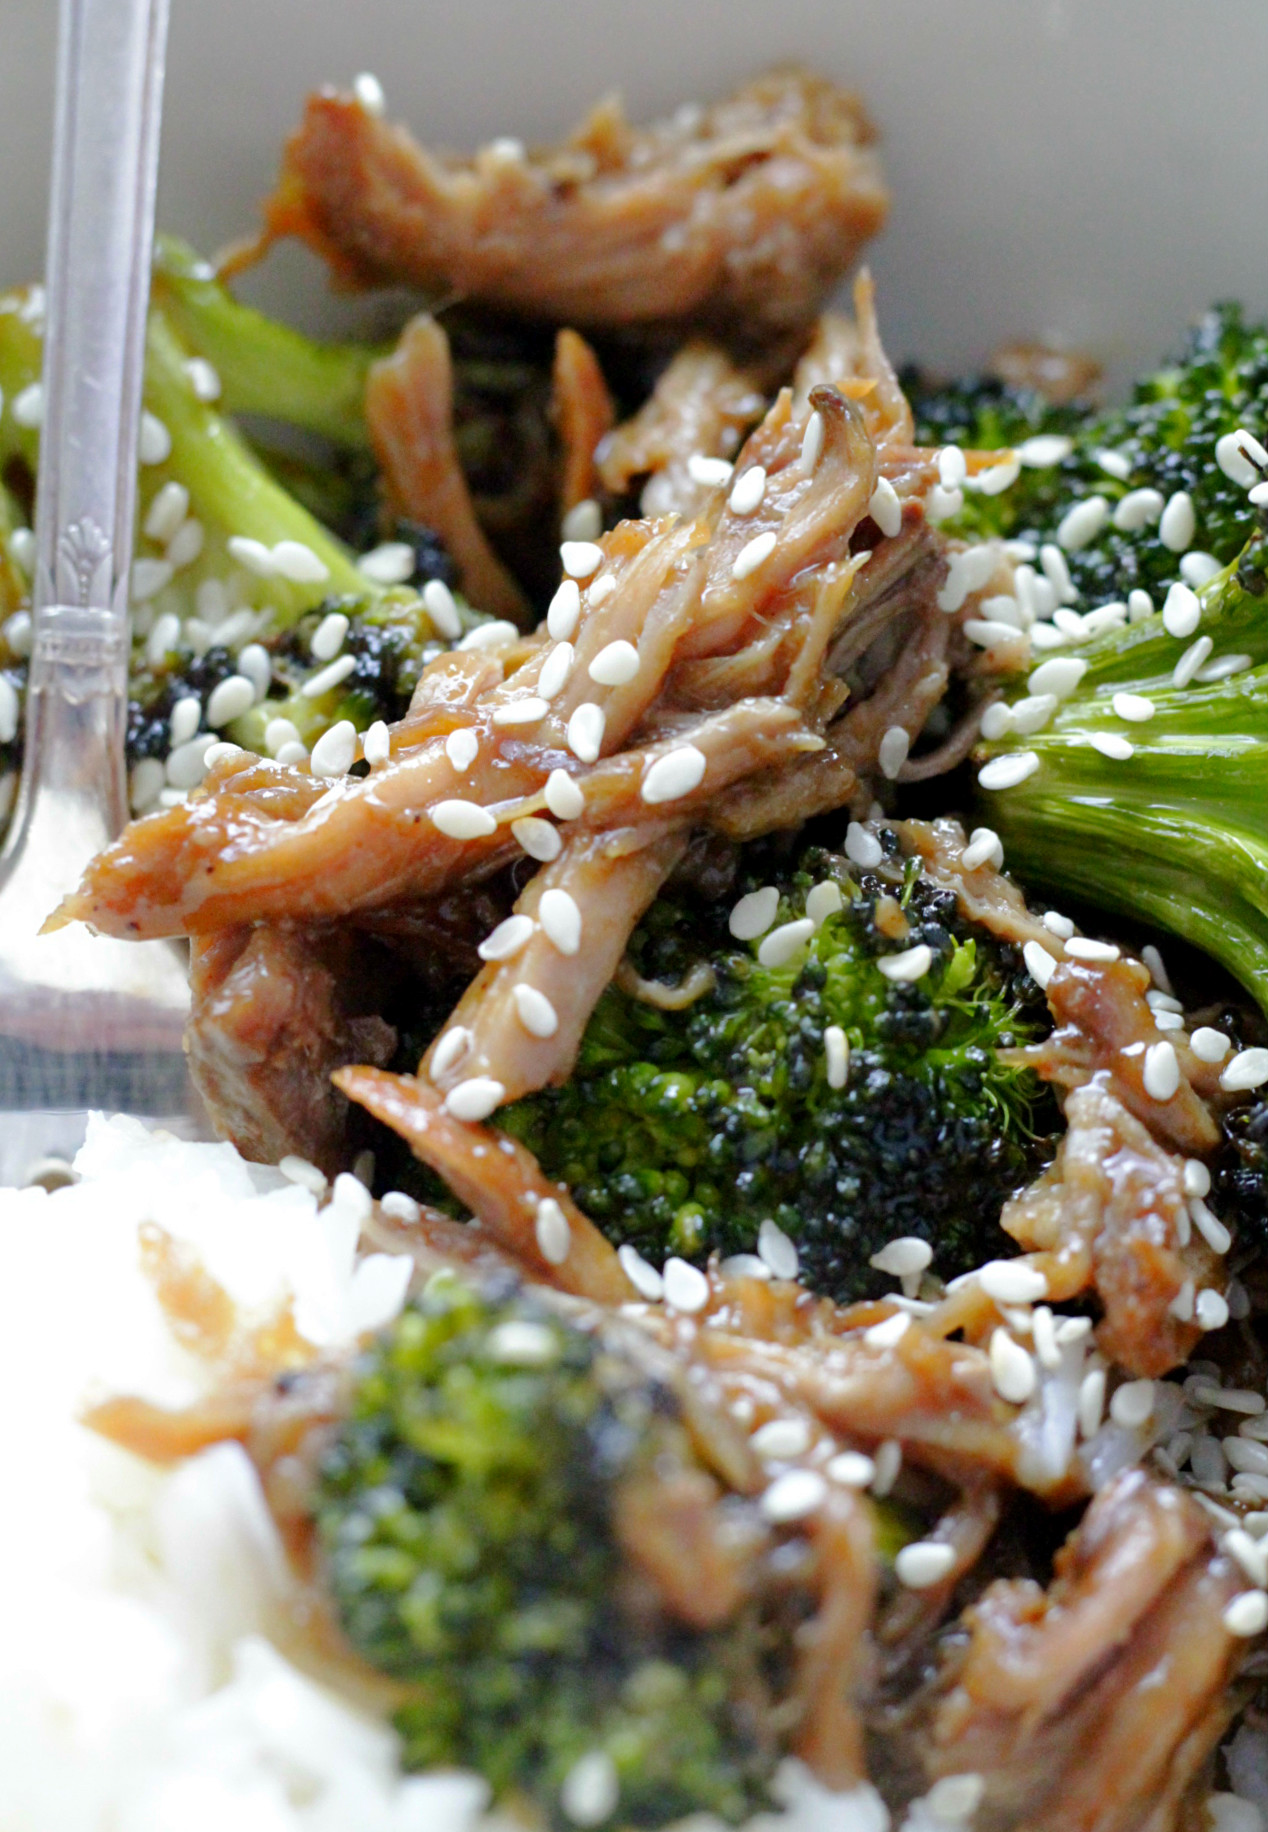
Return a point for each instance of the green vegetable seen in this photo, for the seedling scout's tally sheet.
(465, 1514)
(681, 1131)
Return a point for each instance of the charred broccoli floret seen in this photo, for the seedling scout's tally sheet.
(467, 1518)
(847, 1106)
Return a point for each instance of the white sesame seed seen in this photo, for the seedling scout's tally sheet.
(812, 441)
(889, 1462)
(615, 664)
(967, 571)
(560, 918)
(1105, 617)
(1241, 457)
(334, 751)
(753, 554)
(851, 1469)
(591, 1789)
(889, 1333)
(161, 640)
(1082, 523)
(279, 732)
(154, 442)
(1178, 524)
(203, 378)
(462, 747)
(168, 509)
(753, 914)
(674, 775)
(861, 847)
(295, 752)
(686, 1287)
(1198, 569)
(1224, 667)
(952, 470)
(1247, 1614)
(529, 711)
(255, 662)
(955, 1798)
(1245, 1455)
(1085, 948)
(1192, 659)
(186, 544)
(941, 504)
(1073, 1329)
(908, 966)
(229, 699)
(1115, 464)
(793, 1496)
(1162, 1071)
(1169, 1021)
(710, 473)
(1058, 925)
(1134, 707)
(1012, 1281)
(451, 1048)
(823, 900)
(564, 796)
(1181, 1306)
(1209, 1045)
(296, 561)
(989, 633)
(924, 1562)
(540, 839)
(580, 559)
(1039, 963)
(777, 1251)
(184, 719)
(1112, 745)
(1210, 1310)
(1007, 771)
(1012, 1368)
(744, 1266)
(583, 522)
(836, 1050)
(376, 746)
(1057, 572)
(1044, 450)
(1031, 714)
(601, 589)
(299, 1171)
(1197, 1182)
(475, 1099)
(984, 848)
(368, 91)
(535, 1012)
(146, 780)
(555, 670)
(996, 478)
(585, 731)
(1132, 1403)
(643, 1277)
(147, 578)
(747, 491)
(564, 611)
(392, 563)
(508, 939)
(886, 510)
(438, 601)
(463, 820)
(1209, 1226)
(186, 763)
(329, 635)
(1091, 1401)
(1061, 676)
(996, 721)
(784, 943)
(1250, 1554)
(329, 677)
(892, 751)
(1139, 606)
(1248, 1069)
(780, 1439)
(901, 1257)
(1047, 1348)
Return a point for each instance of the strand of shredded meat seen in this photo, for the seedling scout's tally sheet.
(743, 216)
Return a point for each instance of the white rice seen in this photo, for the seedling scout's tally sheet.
(143, 1687)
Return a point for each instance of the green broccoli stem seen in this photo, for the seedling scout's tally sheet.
(1177, 833)
(264, 367)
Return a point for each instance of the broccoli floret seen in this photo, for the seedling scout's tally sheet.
(681, 1131)
(465, 1511)
(1163, 440)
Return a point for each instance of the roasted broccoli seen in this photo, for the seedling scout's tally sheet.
(805, 1087)
(468, 1516)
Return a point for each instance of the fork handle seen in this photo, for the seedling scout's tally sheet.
(100, 244)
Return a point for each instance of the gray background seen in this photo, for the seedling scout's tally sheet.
(1086, 170)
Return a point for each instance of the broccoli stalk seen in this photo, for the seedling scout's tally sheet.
(466, 1523)
(683, 1130)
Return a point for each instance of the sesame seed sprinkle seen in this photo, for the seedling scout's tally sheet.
(475, 1099)
(1012, 1368)
(521, 712)
(812, 441)
(154, 442)
(540, 839)
(1241, 457)
(1040, 964)
(780, 1439)
(777, 1251)
(752, 915)
(438, 602)
(836, 1049)
(450, 1050)
(585, 731)
(851, 1469)
(462, 748)
(1091, 1401)
(1086, 948)
(1209, 1226)
(753, 554)
(560, 918)
(1056, 571)
(334, 751)
(783, 944)
(709, 473)
(643, 1277)
(885, 509)
(583, 522)
(580, 559)
(908, 966)
(967, 571)
(1247, 1614)
(674, 775)
(1209, 1045)
(553, 1232)
(1190, 662)
(495, 634)
(555, 670)
(1058, 925)
(686, 1287)
(615, 664)
(462, 820)
(888, 1333)
(823, 900)
(1178, 523)
(591, 1789)
(564, 796)
(601, 589)
(229, 699)
(1248, 1069)
(299, 1171)
(1132, 1403)
(748, 491)
(392, 563)
(1114, 464)
(1134, 707)
(893, 750)
(535, 1011)
(861, 847)
(952, 469)
(564, 611)
(924, 1562)
(795, 1495)
(1044, 450)
(1007, 771)
(369, 93)
(507, 940)
(984, 848)
(1012, 1281)
(328, 678)
(1162, 1071)
(1081, 523)
(1198, 569)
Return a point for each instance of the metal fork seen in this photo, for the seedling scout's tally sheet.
(87, 1022)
